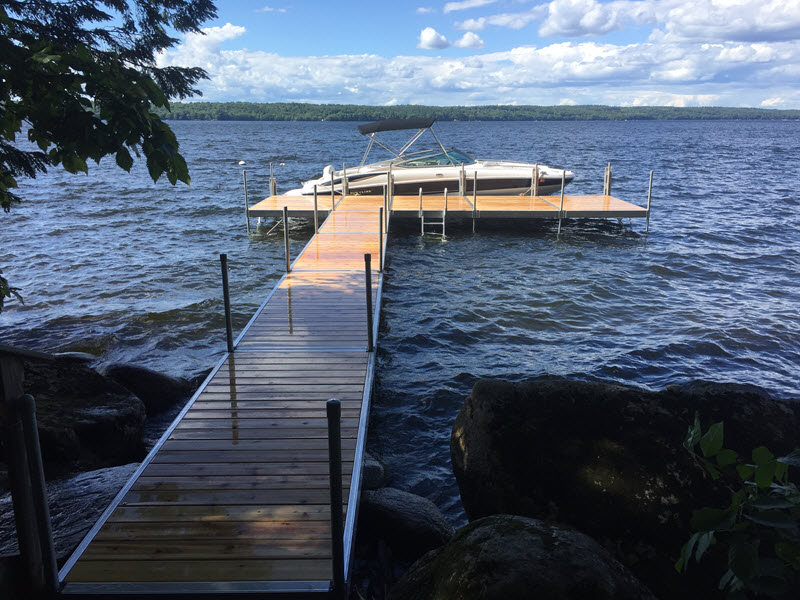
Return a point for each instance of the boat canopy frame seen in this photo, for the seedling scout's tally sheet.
(370, 130)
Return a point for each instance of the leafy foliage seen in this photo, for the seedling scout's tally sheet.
(760, 526)
(295, 111)
(81, 78)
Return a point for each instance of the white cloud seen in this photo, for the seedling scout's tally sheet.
(567, 102)
(700, 20)
(470, 40)
(269, 9)
(430, 39)
(424, 10)
(658, 71)
(465, 4)
(776, 101)
(511, 20)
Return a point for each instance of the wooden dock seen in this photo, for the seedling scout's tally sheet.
(235, 497)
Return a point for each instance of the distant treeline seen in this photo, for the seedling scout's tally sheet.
(291, 111)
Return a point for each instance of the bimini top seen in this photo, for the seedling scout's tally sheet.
(395, 125)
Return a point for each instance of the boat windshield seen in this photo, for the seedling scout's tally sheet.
(434, 158)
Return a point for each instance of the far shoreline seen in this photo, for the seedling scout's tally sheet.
(292, 111)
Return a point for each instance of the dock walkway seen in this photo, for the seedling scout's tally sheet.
(235, 497)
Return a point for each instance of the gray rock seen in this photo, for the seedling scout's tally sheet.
(509, 557)
(85, 420)
(410, 524)
(608, 460)
(75, 505)
(158, 391)
(373, 473)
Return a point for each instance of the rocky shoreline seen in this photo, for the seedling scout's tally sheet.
(572, 489)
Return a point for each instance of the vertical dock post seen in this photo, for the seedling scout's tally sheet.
(316, 215)
(273, 185)
(333, 408)
(286, 238)
(474, 199)
(380, 239)
(607, 189)
(27, 412)
(385, 201)
(246, 204)
(29, 491)
(389, 190)
(561, 209)
(226, 297)
(421, 215)
(444, 214)
(333, 195)
(536, 179)
(345, 187)
(649, 195)
(368, 276)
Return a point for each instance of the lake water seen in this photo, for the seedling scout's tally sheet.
(115, 265)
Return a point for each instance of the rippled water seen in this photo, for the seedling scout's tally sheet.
(115, 265)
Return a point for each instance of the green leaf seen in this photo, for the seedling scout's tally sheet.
(711, 442)
(762, 456)
(725, 579)
(771, 502)
(745, 471)
(789, 553)
(124, 159)
(726, 457)
(773, 518)
(765, 474)
(693, 434)
(743, 560)
(712, 519)
(703, 543)
(792, 459)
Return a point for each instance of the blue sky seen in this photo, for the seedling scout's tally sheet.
(468, 52)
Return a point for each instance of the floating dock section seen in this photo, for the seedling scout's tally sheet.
(235, 498)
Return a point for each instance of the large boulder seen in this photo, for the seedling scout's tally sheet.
(159, 392)
(510, 557)
(608, 461)
(411, 525)
(85, 420)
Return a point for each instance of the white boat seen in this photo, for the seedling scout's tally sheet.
(433, 170)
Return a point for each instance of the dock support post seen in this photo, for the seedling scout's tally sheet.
(474, 199)
(561, 209)
(333, 195)
(444, 214)
(649, 195)
(226, 297)
(607, 182)
(389, 190)
(380, 239)
(535, 186)
(29, 491)
(368, 276)
(286, 238)
(316, 215)
(273, 185)
(345, 187)
(421, 215)
(246, 204)
(334, 411)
